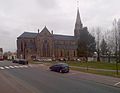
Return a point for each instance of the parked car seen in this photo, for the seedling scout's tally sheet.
(60, 67)
(15, 61)
(23, 62)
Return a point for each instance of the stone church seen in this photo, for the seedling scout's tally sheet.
(47, 45)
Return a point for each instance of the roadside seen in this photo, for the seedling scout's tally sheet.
(100, 68)
(107, 80)
(111, 81)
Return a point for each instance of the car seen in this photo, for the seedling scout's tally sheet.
(60, 67)
(15, 61)
(23, 61)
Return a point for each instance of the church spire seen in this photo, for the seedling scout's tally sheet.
(78, 24)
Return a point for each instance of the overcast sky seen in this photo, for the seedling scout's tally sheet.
(17, 16)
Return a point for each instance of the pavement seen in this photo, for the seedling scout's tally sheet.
(37, 78)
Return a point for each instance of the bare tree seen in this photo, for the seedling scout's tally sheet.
(109, 37)
(98, 34)
(116, 43)
(118, 24)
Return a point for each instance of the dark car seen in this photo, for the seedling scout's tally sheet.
(23, 62)
(60, 67)
(15, 61)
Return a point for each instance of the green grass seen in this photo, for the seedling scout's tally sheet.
(105, 73)
(97, 65)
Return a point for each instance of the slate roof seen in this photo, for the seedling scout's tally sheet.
(28, 35)
(57, 37)
(63, 37)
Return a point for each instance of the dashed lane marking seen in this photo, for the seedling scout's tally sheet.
(30, 65)
(2, 68)
(11, 66)
(25, 66)
(7, 67)
(116, 83)
(21, 66)
(16, 66)
(72, 73)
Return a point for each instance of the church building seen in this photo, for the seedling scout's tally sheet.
(47, 45)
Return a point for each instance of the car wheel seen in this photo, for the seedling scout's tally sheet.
(51, 69)
(61, 71)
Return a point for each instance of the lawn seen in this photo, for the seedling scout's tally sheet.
(97, 65)
(105, 73)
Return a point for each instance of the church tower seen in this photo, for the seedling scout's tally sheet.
(78, 25)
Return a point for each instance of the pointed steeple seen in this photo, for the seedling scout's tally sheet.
(78, 24)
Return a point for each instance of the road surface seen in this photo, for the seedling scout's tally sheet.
(15, 78)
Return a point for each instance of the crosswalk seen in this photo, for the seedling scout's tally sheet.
(16, 66)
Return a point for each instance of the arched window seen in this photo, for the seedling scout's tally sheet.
(21, 46)
(25, 44)
(46, 49)
(74, 54)
(61, 53)
(68, 53)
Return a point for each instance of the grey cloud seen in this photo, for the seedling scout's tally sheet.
(45, 4)
(17, 16)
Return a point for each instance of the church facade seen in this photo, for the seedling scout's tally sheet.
(46, 45)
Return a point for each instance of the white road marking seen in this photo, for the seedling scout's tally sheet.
(2, 68)
(16, 66)
(21, 66)
(25, 66)
(30, 65)
(7, 67)
(72, 73)
(116, 83)
(11, 66)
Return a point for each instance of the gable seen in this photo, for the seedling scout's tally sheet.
(45, 32)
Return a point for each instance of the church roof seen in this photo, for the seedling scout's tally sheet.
(57, 37)
(63, 37)
(28, 35)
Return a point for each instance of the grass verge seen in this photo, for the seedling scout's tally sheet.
(95, 65)
(105, 73)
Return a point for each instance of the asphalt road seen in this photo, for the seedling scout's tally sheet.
(38, 79)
